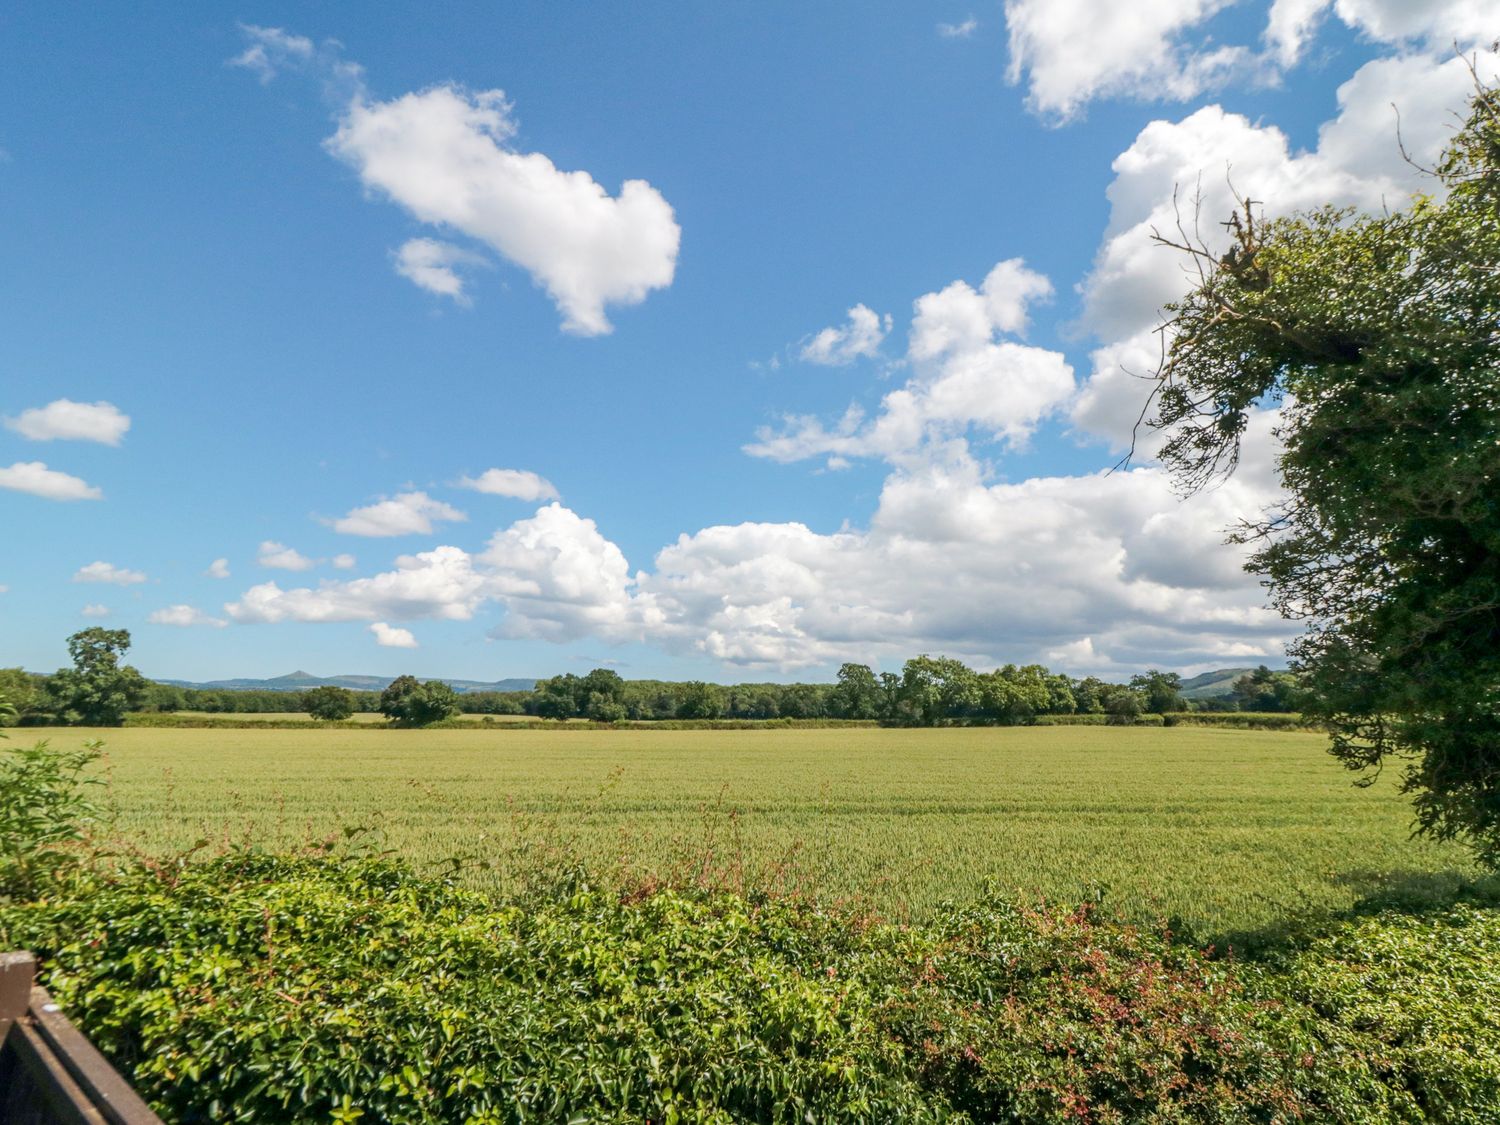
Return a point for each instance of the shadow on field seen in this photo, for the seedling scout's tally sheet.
(1398, 891)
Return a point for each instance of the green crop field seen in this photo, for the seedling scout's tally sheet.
(1226, 829)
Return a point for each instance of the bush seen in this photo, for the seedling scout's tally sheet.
(1240, 720)
(416, 704)
(265, 989)
(330, 703)
(273, 990)
(43, 810)
(1098, 720)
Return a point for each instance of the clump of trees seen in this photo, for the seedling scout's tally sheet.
(413, 703)
(1265, 690)
(328, 702)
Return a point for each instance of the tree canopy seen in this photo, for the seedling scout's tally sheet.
(1377, 338)
(328, 702)
(417, 704)
(98, 690)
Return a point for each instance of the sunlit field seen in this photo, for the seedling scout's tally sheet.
(1225, 829)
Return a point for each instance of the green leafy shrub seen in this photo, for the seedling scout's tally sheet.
(1416, 999)
(272, 990)
(1098, 720)
(1022, 1013)
(263, 989)
(1240, 720)
(43, 810)
(328, 702)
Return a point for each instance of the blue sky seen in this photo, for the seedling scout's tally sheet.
(319, 264)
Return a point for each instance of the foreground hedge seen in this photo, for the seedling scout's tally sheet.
(258, 989)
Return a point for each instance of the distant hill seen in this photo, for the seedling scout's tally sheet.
(302, 681)
(1215, 685)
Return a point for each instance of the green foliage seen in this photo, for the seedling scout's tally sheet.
(698, 700)
(1416, 998)
(43, 809)
(329, 703)
(414, 704)
(857, 695)
(260, 989)
(1159, 691)
(1376, 334)
(1265, 690)
(98, 690)
(599, 696)
(1238, 720)
(21, 691)
(266, 990)
(1122, 707)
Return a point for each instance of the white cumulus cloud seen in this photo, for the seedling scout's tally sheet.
(561, 579)
(1070, 52)
(433, 265)
(35, 478)
(184, 616)
(389, 636)
(966, 378)
(408, 513)
(95, 610)
(518, 484)
(1434, 24)
(109, 573)
(219, 568)
(441, 583)
(278, 556)
(66, 420)
(269, 49)
(840, 346)
(343, 562)
(958, 30)
(445, 154)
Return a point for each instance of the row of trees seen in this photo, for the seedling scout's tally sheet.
(929, 691)
(100, 689)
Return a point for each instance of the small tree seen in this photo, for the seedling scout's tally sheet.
(393, 698)
(857, 694)
(602, 708)
(328, 702)
(98, 690)
(698, 700)
(1161, 691)
(21, 691)
(1122, 705)
(416, 704)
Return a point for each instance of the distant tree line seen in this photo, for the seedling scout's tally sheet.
(99, 690)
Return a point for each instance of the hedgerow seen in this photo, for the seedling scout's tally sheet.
(257, 988)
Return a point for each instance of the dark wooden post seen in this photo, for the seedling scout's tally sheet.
(17, 973)
(49, 1073)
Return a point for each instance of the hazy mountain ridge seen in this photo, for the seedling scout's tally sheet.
(302, 681)
(1215, 685)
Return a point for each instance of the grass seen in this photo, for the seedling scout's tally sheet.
(1225, 829)
(369, 717)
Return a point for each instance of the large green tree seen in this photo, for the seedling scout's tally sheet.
(98, 690)
(1378, 336)
(857, 694)
(329, 702)
(411, 703)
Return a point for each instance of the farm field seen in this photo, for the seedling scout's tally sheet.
(1224, 829)
(372, 717)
